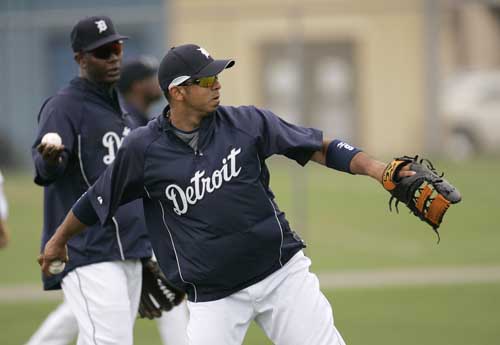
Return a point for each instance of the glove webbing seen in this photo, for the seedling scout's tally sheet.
(432, 209)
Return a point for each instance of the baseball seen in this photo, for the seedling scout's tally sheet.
(52, 139)
(56, 266)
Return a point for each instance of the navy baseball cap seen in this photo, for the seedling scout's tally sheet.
(188, 61)
(93, 32)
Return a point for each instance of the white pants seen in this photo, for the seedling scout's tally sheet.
(104, 298)
(61, 327)
(288, 306)
(173, 325)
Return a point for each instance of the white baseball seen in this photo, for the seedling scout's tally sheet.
(56, 266)
(52, 138)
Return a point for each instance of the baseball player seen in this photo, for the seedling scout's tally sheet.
(139, 88)
(102, 281)
(4, 234)
(200, 169)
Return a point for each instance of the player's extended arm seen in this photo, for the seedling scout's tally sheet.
(55, 248)
(413, 182)
(341, 156)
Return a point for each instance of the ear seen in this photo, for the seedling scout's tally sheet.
(80, 59)
(77, 57)
(177, 93)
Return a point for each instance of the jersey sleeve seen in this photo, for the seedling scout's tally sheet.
(276, 136)
(120, 183)
(53, 117)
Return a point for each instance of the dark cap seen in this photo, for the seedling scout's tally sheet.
(188, 61)
(135, 70)
(92, 32)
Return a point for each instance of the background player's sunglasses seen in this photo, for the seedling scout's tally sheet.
(203, 82)
(104, 52)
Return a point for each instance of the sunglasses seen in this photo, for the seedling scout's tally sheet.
(104, 52)
(202, 82)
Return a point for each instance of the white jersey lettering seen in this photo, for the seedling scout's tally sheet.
(200, 184)
(112, 142)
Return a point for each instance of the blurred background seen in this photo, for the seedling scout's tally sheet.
(391, 76)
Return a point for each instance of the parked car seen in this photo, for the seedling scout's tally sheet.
(471, 108)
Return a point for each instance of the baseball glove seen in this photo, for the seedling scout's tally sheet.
(427, 194)
(157, 293)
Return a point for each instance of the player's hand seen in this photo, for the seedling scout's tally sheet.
(53, 251)
(405, 172)
(4, 235)
(51, 153)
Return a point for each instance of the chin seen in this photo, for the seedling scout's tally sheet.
(112, 80)
(215, 106)
(212, 109)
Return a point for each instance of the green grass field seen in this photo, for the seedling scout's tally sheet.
(347, 227)
(460, 315)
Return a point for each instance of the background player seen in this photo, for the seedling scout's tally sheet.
(212, 214)
(4, 233)
(102, 280)
(138, 85)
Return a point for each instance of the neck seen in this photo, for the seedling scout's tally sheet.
(106, 86)
(186, 120)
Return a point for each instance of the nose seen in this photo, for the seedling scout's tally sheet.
(217, 85)
(114, 56)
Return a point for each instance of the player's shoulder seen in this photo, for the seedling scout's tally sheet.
(67, 100)
(141, 137)
(247, 118)
(236, 111)
(75, 90)
(244, 112)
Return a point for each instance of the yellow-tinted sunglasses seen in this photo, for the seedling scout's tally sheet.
(203, 82)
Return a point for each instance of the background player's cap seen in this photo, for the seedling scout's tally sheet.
(93, 32)
(188, 61)
(135, 70)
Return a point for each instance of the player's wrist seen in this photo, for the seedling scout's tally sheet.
(340, 155)
(363, 164)
(377, 170)
(60, 238)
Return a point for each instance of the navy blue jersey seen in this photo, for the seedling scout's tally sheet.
(137, 117)
(92, 125)
(213, 222)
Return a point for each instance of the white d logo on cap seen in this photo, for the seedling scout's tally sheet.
(204, 52)
(101, 25)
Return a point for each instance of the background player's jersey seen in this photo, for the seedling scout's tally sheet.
(210, 213)
(92, 126)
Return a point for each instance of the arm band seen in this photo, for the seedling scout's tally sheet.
(339, 155)
(84, 211)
